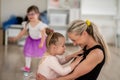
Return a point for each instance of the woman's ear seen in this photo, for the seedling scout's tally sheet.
(84, 33)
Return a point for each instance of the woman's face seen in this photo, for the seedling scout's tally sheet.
(77, 39)
(32, 16)
(60, 46)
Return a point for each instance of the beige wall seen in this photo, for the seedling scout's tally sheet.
(18, 7)
(107, 24)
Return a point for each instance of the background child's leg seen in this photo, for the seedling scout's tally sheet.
(27, 62)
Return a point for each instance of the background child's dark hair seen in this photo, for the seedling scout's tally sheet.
(52, 37)
(35, 9)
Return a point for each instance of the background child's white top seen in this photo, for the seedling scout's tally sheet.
(34, 32)
(51, 67)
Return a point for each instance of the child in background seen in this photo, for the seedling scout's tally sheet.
(51, 65)
(35, 44)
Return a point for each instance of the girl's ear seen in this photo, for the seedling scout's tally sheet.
(54, 46)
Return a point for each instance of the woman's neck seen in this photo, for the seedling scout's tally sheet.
(91, 43)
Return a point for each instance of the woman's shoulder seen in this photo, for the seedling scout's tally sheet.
(96, 54)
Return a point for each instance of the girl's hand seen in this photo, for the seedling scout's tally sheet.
(78, 59)
(40, 45)
(12, 39)
(40, 77)
(77, 53)
(76, 62)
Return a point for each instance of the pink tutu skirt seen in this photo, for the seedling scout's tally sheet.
(31, 48)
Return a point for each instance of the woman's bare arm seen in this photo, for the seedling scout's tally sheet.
(94, 58)
(71, 56)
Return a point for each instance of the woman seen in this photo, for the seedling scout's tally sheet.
(95, 51)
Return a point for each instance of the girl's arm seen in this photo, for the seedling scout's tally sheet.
(58, 68)
(19, 35)
(85, 66)
(43, 34)
(71, 56)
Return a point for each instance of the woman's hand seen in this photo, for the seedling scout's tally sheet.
(60, 78)
(40, 77)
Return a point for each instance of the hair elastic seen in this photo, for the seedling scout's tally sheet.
(88, 23)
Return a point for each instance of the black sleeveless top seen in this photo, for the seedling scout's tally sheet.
(92, 75)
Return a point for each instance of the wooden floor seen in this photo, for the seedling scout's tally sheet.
(12, 59)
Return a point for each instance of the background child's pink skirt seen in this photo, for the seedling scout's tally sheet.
(31, 48)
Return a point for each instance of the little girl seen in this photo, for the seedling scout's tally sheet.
(51, 65)
(35, 44)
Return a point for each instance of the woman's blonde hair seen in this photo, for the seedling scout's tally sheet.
(79, 26)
